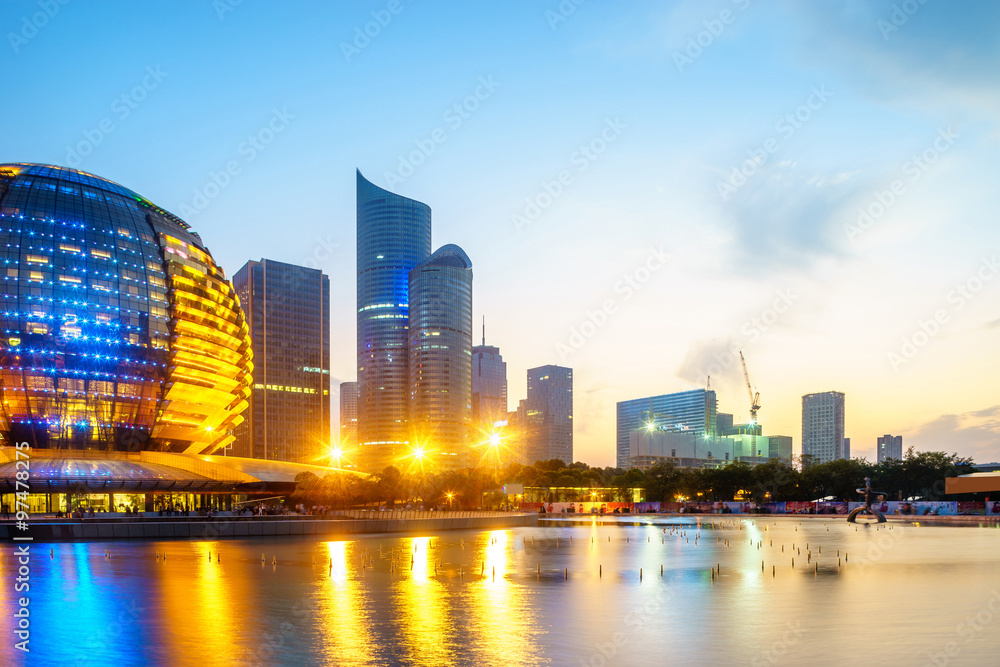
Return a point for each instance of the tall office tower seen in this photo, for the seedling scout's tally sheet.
(349, 414)
(288, 310)
(440, 339)
(695, 410)
(780, 446)
(489, 385)
(549, 410)
(823, 426)
(394, 236)
(889, 447)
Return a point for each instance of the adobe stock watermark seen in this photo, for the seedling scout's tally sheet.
(703, 39)
(927, 329)
(247, 151)
(751, 331)
(454, 116)
(967, 630)
(625, 288)
(562, 13)
(223, 7)
(364, 34)
(779, 649)
(914, 168)
(31, 25)
(786, 126)
(898, 17)
(581, 159)
(122, 107)
(605, 653)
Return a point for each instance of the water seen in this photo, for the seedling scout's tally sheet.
(909, 595)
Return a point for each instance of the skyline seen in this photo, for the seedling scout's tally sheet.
(643, 229)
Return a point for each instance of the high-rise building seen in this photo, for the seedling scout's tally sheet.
(549, 408)
(349, 414)
(846, 453)
(889, 447)
(694, 411)
(440, 340)
(823, 426)
(288, 310)
(489, 385)
(780, 446)
(120, 332)
(394, 237)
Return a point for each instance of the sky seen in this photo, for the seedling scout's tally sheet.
(644, 188)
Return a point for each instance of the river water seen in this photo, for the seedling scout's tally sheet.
(563, 593)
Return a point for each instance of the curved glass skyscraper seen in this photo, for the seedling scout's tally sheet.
(441, 356)
(119, 331)
(394, 236)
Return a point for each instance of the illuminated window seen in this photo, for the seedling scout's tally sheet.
(69, 248)
(37, 259)
(103, 254)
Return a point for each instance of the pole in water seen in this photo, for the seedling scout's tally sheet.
(661, 569)
(773, 570)
(600, 570)
(566, 574)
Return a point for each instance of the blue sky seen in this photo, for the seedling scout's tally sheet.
(654, 257)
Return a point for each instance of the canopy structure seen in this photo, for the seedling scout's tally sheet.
(89, 471)
(977, 482)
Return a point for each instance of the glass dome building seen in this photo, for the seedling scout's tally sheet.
(118, 331)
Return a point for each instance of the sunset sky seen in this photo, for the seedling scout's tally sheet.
(588, 159)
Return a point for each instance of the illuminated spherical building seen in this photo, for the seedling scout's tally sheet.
(118, 331)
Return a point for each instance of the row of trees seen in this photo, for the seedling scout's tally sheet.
(917, 475)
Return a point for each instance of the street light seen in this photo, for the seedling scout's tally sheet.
(451, 496)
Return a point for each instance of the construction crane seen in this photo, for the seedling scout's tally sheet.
(754, 396)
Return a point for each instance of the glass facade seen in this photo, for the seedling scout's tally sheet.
(549, 407)
(394, 236)
(288, 311)
(119, 331)
(489, 385)
(823, 426)
(694, 411)
(440, 339)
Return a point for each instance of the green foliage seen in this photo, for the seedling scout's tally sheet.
(918, 475)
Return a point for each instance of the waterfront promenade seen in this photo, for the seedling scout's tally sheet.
(150, 525)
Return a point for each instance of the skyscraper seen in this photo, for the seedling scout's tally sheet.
(349, 414)
(489, 385)
(550, 414)
(780, 446)
(288, 310)
(394, 236)
(823, 426)
(440, 351)
(889, 447)
(695, 410)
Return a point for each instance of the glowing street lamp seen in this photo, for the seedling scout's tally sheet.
(451, 496)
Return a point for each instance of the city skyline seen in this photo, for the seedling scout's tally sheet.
(828, 216)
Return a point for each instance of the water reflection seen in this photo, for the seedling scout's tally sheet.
(422, 604)
(347, 602)
(343, 609)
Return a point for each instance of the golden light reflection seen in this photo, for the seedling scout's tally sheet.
(423, 603)
(499, 625)
(344, 610)
(206, 598)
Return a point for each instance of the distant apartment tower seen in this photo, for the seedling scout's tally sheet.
(694, 411)
(823, 426)
(780, 446)
(847, 448)
(489, 385)
(440, 352)
(394, 237)
(889, 447)
(288, 310)
(349, 413)
(549, 414)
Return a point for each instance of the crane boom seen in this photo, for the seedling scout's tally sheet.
(754, 396)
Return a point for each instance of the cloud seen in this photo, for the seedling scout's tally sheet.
(975, 434)
(937, 52)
